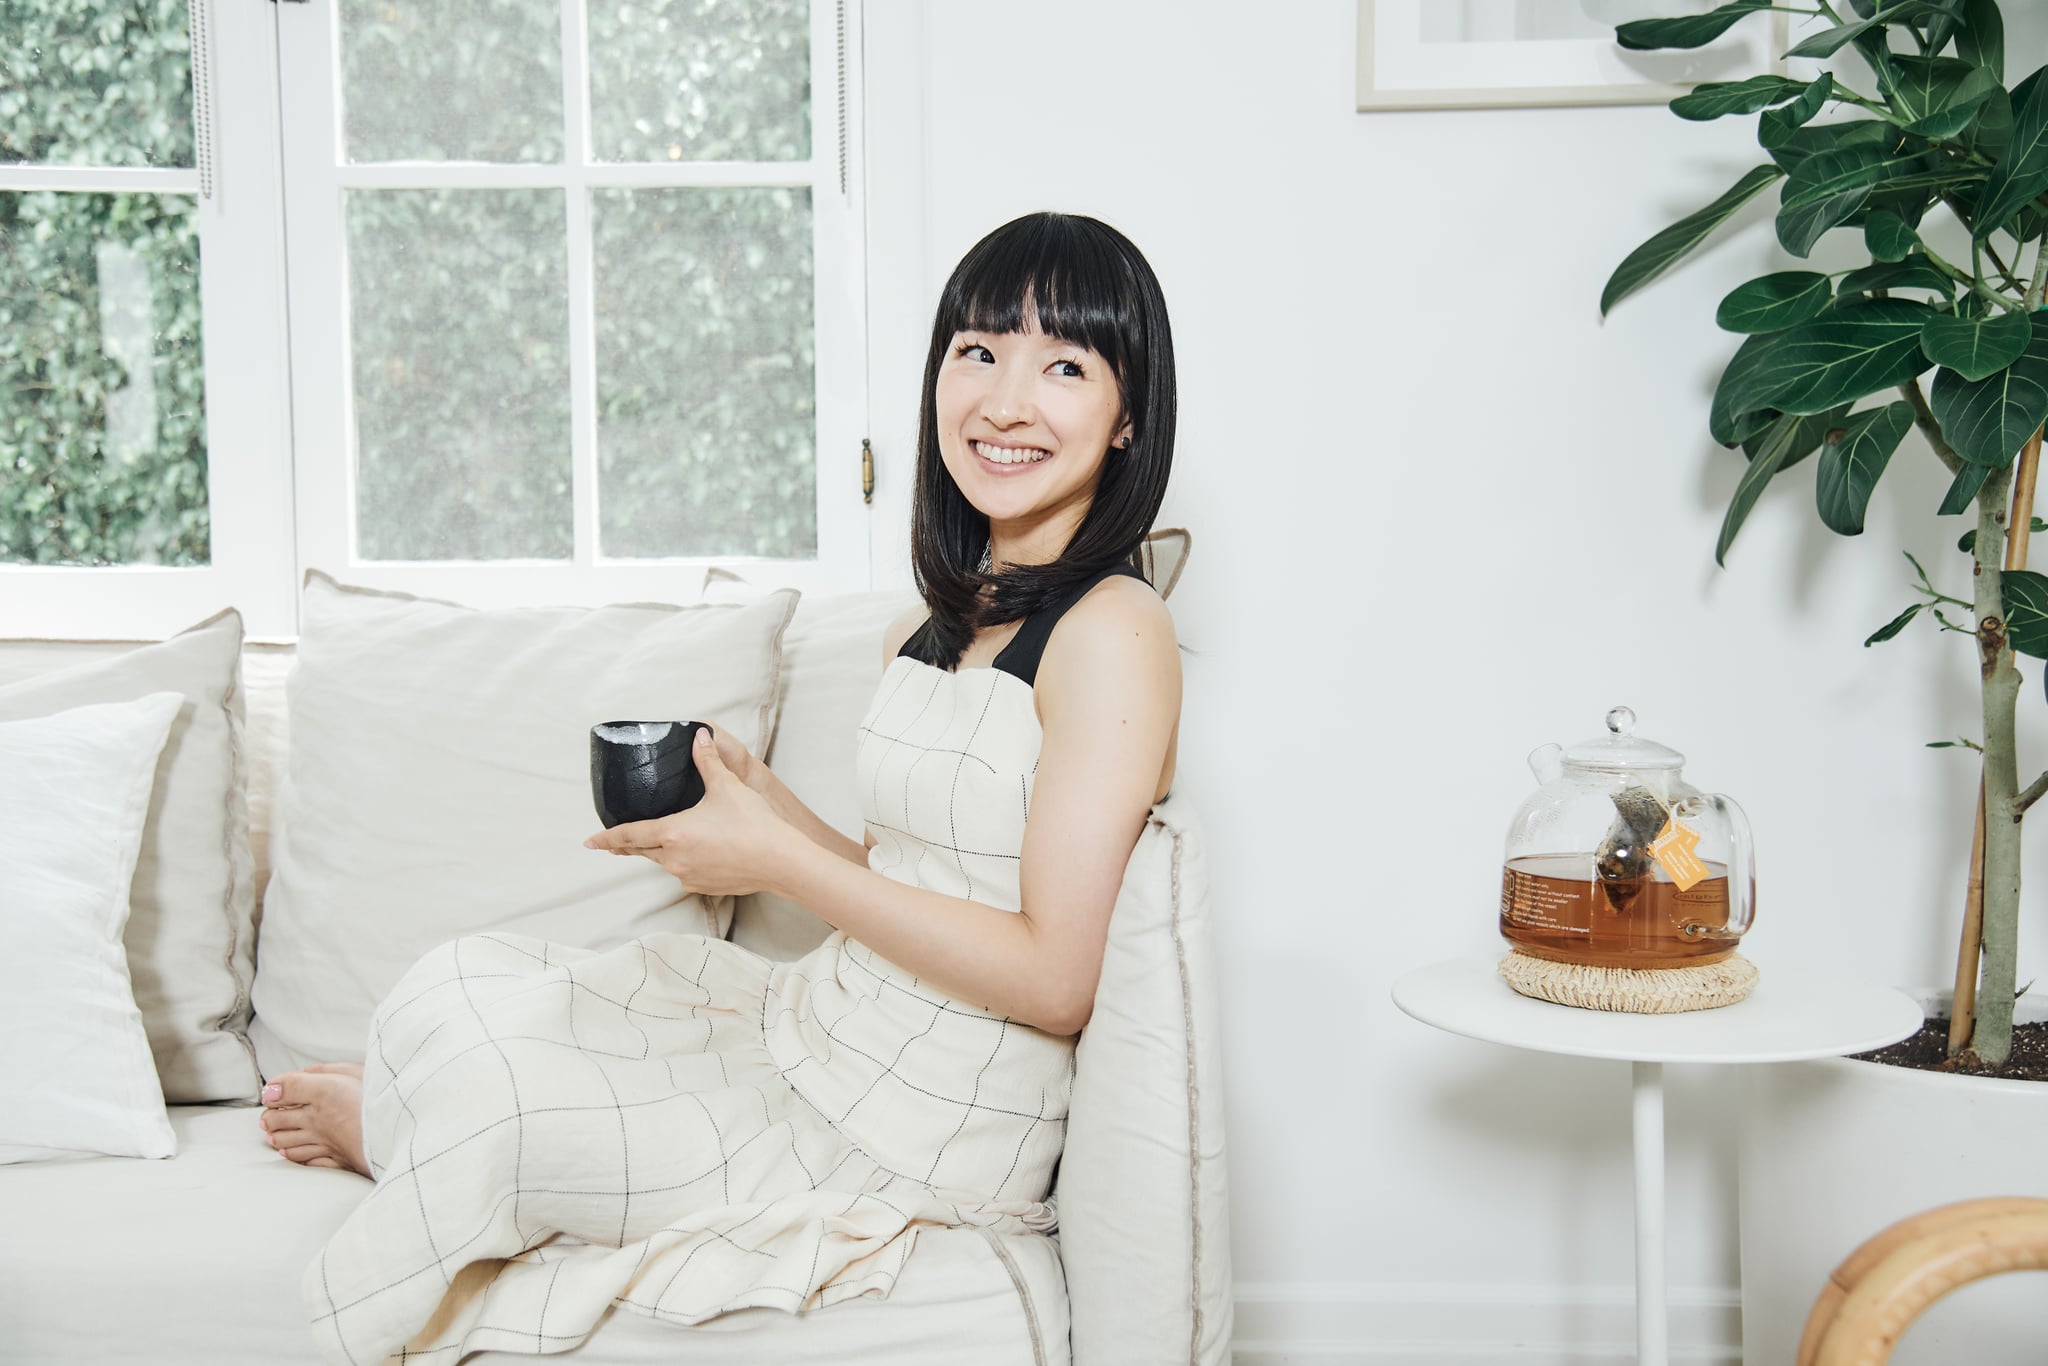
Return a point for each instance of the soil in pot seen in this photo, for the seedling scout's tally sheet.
(1927, 1051)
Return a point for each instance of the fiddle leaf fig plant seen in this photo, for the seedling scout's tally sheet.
(1911, 151)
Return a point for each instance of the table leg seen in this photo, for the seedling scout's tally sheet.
(1652, 1345)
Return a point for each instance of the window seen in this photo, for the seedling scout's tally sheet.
(139, 287)
(574, 295)
(573, 305)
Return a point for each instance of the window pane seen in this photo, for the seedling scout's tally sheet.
(451, 80)
(103, 430)
(700, 80)
(459, 317)
(707, 428)
(95, 84)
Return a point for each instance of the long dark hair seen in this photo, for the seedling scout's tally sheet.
(1088, 286)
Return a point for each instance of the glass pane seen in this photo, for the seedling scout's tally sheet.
(95, 84)
(700, 80)
(451, 80)
(103, 427)
(459, 317)
(707, 408)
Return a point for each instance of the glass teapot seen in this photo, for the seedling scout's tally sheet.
(1616, 862)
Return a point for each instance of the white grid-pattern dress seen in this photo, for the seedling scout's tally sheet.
(685, 1128)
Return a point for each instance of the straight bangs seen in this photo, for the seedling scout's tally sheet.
(1059, 272)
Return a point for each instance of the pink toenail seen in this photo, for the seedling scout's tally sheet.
(268, 1139)
(272, 1091)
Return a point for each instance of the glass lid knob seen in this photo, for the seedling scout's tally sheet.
(1620, 720)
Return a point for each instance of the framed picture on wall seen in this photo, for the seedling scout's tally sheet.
(1477, 54)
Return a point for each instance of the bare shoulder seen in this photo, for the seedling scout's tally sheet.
(900, 630)
(1121, 630)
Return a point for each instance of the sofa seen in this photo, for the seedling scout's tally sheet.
(409, 770)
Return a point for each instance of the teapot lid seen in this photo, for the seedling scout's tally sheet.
(1620, 749)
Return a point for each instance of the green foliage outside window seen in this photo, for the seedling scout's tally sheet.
(102, 426)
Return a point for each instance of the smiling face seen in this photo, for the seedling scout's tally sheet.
(1025, 423)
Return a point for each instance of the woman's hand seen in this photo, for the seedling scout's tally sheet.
(725, 845)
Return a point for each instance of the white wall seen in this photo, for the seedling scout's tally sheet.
(1436, 506)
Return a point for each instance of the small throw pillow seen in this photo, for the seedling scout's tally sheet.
(437, 784)
(191, 935)
(76, 1076)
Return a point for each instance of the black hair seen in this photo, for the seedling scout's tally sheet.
(1088, 286)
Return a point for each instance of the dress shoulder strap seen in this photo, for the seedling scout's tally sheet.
(1022, 655)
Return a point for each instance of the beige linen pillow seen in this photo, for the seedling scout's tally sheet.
(1144, 1206)
(190, 935)
(437, 784)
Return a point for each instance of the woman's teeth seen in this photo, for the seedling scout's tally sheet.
(1009, 455)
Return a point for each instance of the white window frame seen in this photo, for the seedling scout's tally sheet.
(241, 283)
(316, 182)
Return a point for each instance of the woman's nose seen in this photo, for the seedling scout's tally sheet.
(1009, 400)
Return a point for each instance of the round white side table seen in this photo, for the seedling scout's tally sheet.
(1794, 1013)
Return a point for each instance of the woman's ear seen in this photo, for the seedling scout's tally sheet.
(1122, 440)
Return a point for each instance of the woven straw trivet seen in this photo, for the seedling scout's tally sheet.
(1637, 991)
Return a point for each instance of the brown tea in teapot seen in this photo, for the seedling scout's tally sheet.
(1550, 908)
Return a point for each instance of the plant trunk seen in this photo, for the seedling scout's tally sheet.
(1992, 1038)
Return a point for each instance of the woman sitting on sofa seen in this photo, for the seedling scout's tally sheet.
(793, 1122)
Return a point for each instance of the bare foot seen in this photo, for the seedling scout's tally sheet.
(315, 1116)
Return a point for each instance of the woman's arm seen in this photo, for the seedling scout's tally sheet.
(1108, 695)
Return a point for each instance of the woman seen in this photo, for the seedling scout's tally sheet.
(783, 1128)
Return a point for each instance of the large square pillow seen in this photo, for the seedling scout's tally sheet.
(76, 1076)
(191, 932)
(437, 784)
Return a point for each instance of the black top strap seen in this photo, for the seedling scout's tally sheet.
(1022, 655)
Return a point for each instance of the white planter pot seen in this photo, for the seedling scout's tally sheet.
(1834, 1150)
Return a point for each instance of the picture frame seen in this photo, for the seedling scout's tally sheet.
(1492, 54)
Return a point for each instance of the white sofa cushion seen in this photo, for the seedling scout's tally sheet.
(1143, 1204)
(76, 1075)
(437, 784)
(203, 1255)
(191, 933)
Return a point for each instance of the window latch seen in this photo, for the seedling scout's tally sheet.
(867, 452)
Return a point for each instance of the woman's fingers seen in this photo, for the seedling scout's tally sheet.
(631, 838)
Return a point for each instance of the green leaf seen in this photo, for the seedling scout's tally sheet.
(1936, 96)
(1963, 491)
(1915, 272)
(1827, 188)
(1714, 99)
(1746, 374)
(1778, 125)
(1976, 348)
(2026, 612)
(1806, 438)
(1988, 420)
(1857, 349)
(1829, 41)
(1887, 237)
(2022, 172)
(1751, 486)
(1774, 302)
(1851, 466)
(1847, 136)
(1657, 255)
(1980, 38)
(1894, 626)
(1687, 31)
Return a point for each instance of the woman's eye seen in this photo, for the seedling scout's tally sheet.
(1070, 369)
(969, 349)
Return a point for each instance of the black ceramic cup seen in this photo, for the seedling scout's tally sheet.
(643, 770)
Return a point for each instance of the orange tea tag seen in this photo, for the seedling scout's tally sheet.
(1673, 850)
